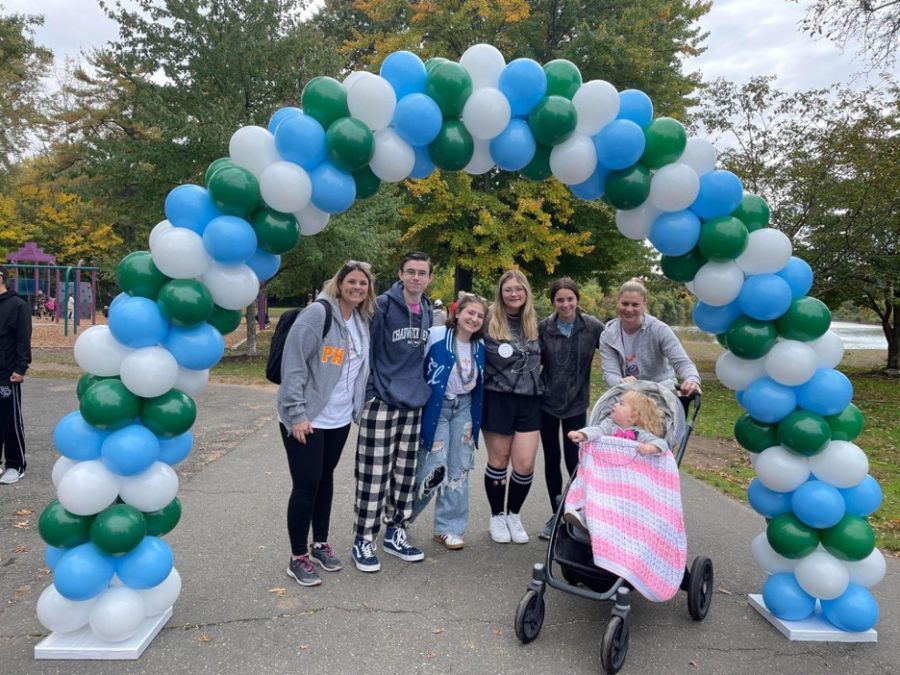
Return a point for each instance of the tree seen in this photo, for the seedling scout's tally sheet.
(875, 23)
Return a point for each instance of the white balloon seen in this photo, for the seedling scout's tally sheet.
(700, 155)
(753, 457)
(635, 223)
(231, 286)
(158, 229)
(486, 113)
(737, 373)
(781, 470)
(117, 614)
(674, 187)
(718, 283)
(372, 100)
(285, 187)
(596, 104)
(574, 160)
(87, 488)
(159, 598)
(791, 362)
(151, 489)
(829, 349)
(60, 467)
(99, 353)
(149, 372)
(253, 148)
(868, 571)
(841, 463)
(481, 161)
(767, 559)
(312, 220)
(191, 382)
(689, 285)
(61, 615)
(355, 77)
(179, 253)
(822, 575)
(484, 63)
(394, 158)
(767, 251)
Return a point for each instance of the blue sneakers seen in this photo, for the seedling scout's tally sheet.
(364, 555)
(396, 544)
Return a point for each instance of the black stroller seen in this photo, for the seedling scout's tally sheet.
(570, 548)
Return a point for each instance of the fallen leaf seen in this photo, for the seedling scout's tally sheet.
(430, 655)
(22, 525)
(24, 512)
(497, 631)
(278, 591)
(304, 647)
(437, 630)
(204, 637)
(692, 664)
(724, 591)
(21, 549)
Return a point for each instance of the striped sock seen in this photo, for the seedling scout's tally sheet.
(519, 486)
(495, 488)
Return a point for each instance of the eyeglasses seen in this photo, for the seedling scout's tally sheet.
(416, 273)
(358, 264)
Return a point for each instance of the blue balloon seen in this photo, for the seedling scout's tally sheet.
(333, 190)
(417, 119)
(137, 322)
(190, 206)
(827, 392)
(76, 439)
(855, 611)
(281, 115)
(720, 194)
(130, 450)
(593, 187)
(739, 397)
(818, 504)
(175, 449)
(52, 554)
(147, 565)
(675, 233)
(264, 264)
(799, 276)
(766, 502)
(229, 240)
(524, 83)
(405, 72)
(715, 319)
(765, 297)
(619, 144)
(636, 106)
(195, 347)
(119, 298)
(862, 499)
(423, 167)
(785, 599)
(82, 573)
(768, 401)
(514, 148)
(301, 139)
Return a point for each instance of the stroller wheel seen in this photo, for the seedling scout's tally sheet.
(700, 587)
(529, 616)
(614, 647)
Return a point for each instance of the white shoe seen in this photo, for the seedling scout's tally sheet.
(516, 532)
(499, 530)
(11, 476)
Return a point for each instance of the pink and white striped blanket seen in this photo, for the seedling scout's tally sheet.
(632, 505)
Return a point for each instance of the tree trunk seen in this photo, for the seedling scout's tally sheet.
(891, 327)
(462, 281)
(250, 315)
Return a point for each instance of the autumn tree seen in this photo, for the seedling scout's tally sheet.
(874, 23)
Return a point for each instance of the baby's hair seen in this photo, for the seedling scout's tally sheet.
(646, 412)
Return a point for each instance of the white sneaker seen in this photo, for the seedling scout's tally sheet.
(11, 476)
(516, 532)
(499, 530)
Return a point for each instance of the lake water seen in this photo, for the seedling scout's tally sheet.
(854, 335)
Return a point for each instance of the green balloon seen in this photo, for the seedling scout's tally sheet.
(163, 521)
(276, 232)
(108, 405)
(753, 212)
(450, 86)
(234, 191)
(539, 167)
(723, 239)
(367, 183)
(325, 100)
(851, 539)
(754, 435)
(349, 143)
(722, 339)
(790, 537)
(682, 268)
(224, 320)
(137, 275)
(118, 529)
(804, 432)
(453, 148)
(216, 164)
(665, 141)
(185, 302)
(563, 78)
(434, 62)
(553, 120)
(751, 339)
(171, 414)
(62, 529)
(846, 425)
(806, 319)
(86, 380)
(628, 188)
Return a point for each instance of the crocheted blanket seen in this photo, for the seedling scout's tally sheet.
(632, 505)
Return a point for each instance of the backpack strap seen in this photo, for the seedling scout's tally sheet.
(327, 325)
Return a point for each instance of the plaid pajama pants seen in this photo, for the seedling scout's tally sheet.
(385, 466)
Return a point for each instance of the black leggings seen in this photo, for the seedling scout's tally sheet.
(550, 442)
(312, 471)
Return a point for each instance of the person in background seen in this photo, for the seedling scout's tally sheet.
(440, 316)
(15, 356)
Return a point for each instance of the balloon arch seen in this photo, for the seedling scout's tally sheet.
(115, 483)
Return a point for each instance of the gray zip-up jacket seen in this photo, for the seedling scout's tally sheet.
(608, 428)
(566, 364)
(311, 367)
(659, 354)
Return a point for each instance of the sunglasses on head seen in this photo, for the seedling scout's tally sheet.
(358, 264)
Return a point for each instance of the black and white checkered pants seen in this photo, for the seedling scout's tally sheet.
(385, 466)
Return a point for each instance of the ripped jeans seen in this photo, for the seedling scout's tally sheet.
(443, 471)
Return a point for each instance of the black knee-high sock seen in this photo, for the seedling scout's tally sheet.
(519, 486)
(495, 488)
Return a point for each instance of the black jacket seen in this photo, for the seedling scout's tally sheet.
(566, 364)
(15, 336)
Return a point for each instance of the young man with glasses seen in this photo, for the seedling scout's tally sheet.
(389, 426)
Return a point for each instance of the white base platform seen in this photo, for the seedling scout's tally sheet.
(813, 629)
(82, 644)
